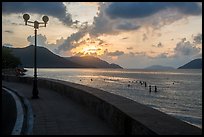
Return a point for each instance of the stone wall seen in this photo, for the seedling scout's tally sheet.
(124, 115)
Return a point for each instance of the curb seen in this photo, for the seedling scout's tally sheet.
(24, 120)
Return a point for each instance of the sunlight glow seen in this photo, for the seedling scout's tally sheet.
(90, 49)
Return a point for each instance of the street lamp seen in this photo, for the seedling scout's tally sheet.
(26, 18)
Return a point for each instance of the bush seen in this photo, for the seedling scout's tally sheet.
(8, 59)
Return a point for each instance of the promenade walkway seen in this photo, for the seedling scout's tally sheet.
(55, 114)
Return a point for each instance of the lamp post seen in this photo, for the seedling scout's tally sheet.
(36, 25)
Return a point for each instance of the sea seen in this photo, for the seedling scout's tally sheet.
(178, 92)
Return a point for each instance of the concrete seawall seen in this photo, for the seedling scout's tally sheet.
(124, 115)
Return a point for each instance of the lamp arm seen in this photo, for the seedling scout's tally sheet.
(41, 22)
(30, 25)
(30, 21)
(41, 26)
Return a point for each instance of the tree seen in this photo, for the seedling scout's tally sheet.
(8, 59)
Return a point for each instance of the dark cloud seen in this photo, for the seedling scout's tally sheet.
(101, 42)
(101, 24)
(129, 10)
(198, 39)
(183, 39)
(55, 9)
(112, 17)
(9, 31)
(186, 48)
(68, 44)
(127, 26)
(115, 53)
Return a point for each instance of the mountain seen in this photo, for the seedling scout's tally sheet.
(159, 67)
(194, 64)
(47, 59)
(92, 62)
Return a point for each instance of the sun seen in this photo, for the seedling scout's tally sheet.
(88, 47)
(91, 50)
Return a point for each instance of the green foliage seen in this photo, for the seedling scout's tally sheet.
(8, 59)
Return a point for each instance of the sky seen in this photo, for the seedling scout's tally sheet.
(130, 34)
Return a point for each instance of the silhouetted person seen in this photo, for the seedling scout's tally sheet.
(145, 84)
(128, 85)
(17, 71)
(155, 90)
(149, 88)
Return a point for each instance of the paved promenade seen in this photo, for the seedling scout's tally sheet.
(55, 114)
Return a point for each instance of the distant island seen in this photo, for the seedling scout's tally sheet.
(194, 64)
(47, 59)
(159, 67)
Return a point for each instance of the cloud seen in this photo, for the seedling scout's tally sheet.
(78, 53)
(112, 17)
(198, 39)
(163, 55)
(186, 48)
(97, 49)
(144, 37)
(127, 26)
(42, 41)
(101, 42)
(159, 45)
(129, 10)
(115, 53)
(125, 38)
(129, 48)
(68, 44)
(55, 9)
(102, 24)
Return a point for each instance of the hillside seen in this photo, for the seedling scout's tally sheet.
(92, 62)
(47, 59)
(194, 64)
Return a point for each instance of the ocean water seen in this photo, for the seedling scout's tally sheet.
(179, 92)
